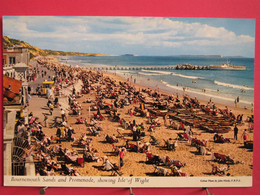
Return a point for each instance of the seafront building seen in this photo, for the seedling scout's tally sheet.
(15, 102)
(13, 56)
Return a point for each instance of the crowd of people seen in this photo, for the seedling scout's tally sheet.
(109, 98)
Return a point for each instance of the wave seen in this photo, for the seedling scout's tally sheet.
(233, 86)
(186, 76)
(148, 74)
(123, 71)
(207, 94)
(172, 86)
(173, 73)
(158, 72)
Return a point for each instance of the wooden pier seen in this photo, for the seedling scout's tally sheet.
(169, 67)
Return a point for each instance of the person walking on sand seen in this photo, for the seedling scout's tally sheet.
(73, 90)
(244, 135)
(235, 132)
(51, 108)
(58, 134)
(237, 101)
(121, 155)
(45, 120)
(63, 116)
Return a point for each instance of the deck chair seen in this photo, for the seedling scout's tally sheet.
(68, 159)
(223, 158)
(154, 159)
(79, 121)
(178, 163)
(180, 136)
(120, 135)
(217, 156)
(115, 171)
(153, 140)
(115, 149)
(133, 147)
(80, 162)
(186, 136)
(160, 171)
(101, 117)
(183, 174)
(149, 156)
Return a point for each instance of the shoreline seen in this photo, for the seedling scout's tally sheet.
(180, 93)
(192, 92)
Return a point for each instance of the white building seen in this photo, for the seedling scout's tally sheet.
(15, 99)
(12, 56)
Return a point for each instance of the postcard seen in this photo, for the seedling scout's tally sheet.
(94, 101)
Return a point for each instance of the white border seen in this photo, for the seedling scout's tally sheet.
(72, 181)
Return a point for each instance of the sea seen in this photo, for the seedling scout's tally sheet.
(219, 86)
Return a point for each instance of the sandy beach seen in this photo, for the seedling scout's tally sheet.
(135, 163)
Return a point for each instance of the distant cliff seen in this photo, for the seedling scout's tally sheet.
(35, 51)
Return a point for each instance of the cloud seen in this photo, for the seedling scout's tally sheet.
(123, 32)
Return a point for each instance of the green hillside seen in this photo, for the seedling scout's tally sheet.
(35, 51)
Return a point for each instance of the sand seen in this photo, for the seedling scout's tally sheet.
(135, 163)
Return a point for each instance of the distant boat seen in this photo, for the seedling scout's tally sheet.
(226, 66)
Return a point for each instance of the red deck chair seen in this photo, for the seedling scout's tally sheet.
(133, 147)
(223, 158)
(80, 162)
(168, 160)
(153, 116)
(67, 159)
(217, 156)
(185, 136)
(101, 117)
(178, 163)
(149, 156)
(200, 143)
(193, 141)
(182, 126)
(79, 121)
(183, 174)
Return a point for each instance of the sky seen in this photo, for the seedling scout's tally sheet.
(146, 36)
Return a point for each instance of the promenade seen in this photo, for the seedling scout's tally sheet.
(38, 104)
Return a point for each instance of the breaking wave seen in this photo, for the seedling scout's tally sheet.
(233, 86)
(209, 93)
(186, 76)
(172, 73)
(148, 74)
(158, 72)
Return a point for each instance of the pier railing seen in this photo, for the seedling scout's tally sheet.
(169, 67)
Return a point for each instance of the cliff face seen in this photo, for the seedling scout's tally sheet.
(35, 51)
